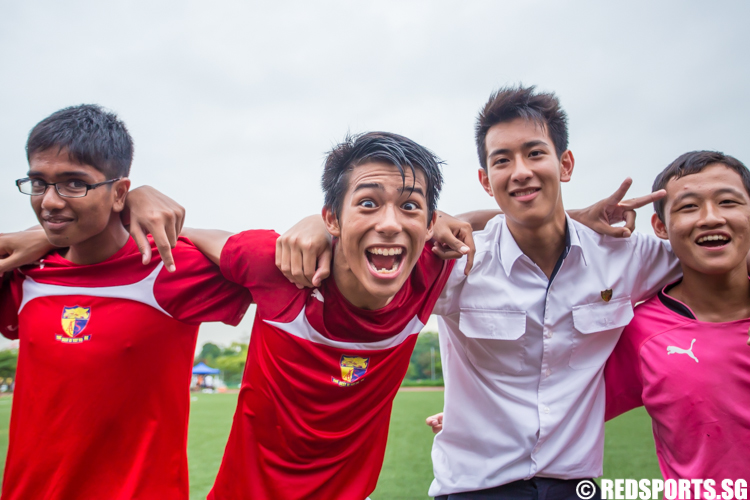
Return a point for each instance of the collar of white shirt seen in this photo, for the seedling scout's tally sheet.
(510, 252)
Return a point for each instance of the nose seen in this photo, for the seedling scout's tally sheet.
(521, 171)
(711, 216)
(51, 200)
(389, 223)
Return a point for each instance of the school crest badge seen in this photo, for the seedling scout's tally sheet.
(353, 368)
(607, 295)
(74, 321)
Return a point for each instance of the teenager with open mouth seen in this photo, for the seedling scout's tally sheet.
(324, 365)
(524, 337)
(684, 355)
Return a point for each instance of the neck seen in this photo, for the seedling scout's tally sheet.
(351, 288)
(100, 247)
(715, 298)
(543, 244)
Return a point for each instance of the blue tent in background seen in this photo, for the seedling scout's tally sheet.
(203, 369)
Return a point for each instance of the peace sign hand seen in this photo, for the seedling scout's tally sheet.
(612, 210)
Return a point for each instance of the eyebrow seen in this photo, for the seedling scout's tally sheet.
(721, 191)
(369, 185)
(525, 145)
(377, 185)
(74, 173)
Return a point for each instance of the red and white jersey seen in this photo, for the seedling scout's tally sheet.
(693, 378)
(101, 401)
(315, 403)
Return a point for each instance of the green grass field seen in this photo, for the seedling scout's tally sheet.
(407, 472)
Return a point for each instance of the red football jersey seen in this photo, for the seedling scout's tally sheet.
(315, 403)
(101, 401)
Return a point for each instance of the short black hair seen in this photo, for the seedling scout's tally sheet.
(91, 136)
(386, 147)
(692, 163)
(509, 103)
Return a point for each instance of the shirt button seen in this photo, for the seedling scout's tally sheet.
(548, 372)
(548, 334)
(546, 409)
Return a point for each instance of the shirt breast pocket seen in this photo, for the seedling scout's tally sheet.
(597, 327)
(495, 339)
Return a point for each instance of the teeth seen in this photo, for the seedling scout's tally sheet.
(524, 193)
(386, 251)
(385, 271)
(713, 237)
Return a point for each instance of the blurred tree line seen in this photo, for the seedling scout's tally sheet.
(230, 360)
(8, 362)
(425, 360)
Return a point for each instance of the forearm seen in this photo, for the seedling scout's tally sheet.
(22, 248)
(478, 218)
(209, 241)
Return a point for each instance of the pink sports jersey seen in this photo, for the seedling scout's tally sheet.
(693, 378)
(101, 402)
(315, 403)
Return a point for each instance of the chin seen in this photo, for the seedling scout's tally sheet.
(58, 240)
(382, 291)
(717, 268)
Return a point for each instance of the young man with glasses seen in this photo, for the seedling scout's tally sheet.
(101, 401)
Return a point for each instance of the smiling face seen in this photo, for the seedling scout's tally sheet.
(70, 222)
(524, 173)
(382, 229)
(707, 220)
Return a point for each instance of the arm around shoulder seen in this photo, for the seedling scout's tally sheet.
(22, 248)
(209, 241)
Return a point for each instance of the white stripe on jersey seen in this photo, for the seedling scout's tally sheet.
(302, 328)
(142, 291)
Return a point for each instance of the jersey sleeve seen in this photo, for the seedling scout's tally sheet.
(657, 265)
(249, 259)
(198, 292)
(10, 300)
(622, 374)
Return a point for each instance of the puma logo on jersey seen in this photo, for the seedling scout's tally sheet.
(678, 350)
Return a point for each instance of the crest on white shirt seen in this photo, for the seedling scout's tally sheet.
(678, 350)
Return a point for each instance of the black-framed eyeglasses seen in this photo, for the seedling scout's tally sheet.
(67, 189)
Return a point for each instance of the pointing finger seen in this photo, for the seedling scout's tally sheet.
(445, 252)
(643, 200)
(142, 241)
(164, 248)
(324, 267)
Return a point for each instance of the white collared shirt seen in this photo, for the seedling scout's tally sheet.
(523, 358)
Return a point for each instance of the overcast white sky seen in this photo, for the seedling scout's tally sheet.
(233, 104)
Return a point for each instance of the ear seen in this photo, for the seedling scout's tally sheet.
(567, 162)
(332, 222)
(120, 192)
(484, 180)
(660, 229)
(431, 225)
